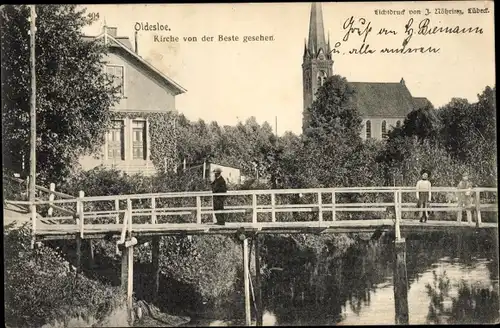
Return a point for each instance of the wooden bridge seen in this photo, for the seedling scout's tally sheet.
(319, 210)
(128, 218)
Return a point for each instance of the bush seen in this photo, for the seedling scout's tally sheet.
(40, 287)
(209, 263)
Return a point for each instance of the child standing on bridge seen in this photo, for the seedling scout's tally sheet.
(423, 195)
(464, 198)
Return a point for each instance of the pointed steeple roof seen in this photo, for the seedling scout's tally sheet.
(316, 30)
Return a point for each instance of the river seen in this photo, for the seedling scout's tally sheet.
(451, 279)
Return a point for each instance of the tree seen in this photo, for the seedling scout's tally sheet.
(469, 133)
(333, 114)
(73, 93)
(332, 136)
(423, 123)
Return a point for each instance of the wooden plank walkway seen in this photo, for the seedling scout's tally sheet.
(98, 231)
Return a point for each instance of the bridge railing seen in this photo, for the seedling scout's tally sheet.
(20, 191)
(271, 206)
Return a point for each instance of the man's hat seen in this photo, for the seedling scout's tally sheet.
(217, 170)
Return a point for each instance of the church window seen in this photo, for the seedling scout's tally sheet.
(384, 129)
(321, 78)
(368, 129)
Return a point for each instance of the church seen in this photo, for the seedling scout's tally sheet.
(382, 105)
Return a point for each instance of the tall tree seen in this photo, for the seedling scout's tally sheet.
(332, 136)
(422, 123)
(73, 93)
(333, 114)
(469, 133)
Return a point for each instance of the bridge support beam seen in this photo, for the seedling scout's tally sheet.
(246, 279)
(92, 253)
(400, 283)
(127, 279)
(258, 285)
(155, 261)
(78, 253)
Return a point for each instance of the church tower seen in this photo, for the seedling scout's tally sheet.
(317, 63)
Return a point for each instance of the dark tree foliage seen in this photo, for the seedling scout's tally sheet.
(73, 94)
(333, 114)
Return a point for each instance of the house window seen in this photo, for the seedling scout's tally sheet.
(118, 77)
(116, 141)
(398, 124)
(368, 129)
(139, 139)
(384, 129)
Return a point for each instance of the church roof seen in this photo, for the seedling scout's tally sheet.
(421, 102)
(374, 99)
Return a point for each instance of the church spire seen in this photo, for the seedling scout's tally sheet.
(316, 30)
(328, 46)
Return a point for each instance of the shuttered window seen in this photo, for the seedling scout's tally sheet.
(116, 145)
(139, 139)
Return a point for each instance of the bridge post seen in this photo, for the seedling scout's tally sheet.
(52, 188)
(92, 253)
(320, 207)
(273, 207)
(198, 209)
(117, 209)
(254, 208)
(81, 211)
(78, 253)
(155, 260)
(397, 210)
(127, 279)
(79, 236)
(333, 207)
(400, 283)
(478, 208)
(258, 284)
(246, 274)
(153, 212)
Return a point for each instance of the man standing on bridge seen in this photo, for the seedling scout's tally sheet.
(423, 195)
(219, 186)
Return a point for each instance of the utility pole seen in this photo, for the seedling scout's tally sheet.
(33, 120)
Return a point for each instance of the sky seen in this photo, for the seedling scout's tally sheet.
(230, 81)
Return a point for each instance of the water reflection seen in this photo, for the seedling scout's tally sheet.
(452, 279)
(268, 319)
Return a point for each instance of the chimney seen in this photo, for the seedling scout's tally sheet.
(112, 31)
(402, 81)
(136, 47)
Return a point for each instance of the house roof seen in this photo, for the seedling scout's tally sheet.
(124, 43)
(375, 99)
(421, 102)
